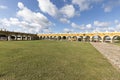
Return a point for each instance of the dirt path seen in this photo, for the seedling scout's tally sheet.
(110, 51)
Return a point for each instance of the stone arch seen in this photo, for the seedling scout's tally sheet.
(96, 38)
(107, 38)
(59, 37)
(3, 37)
(80, 38)
(50, 37)
(40, 37)
(116, 38)
(55, 37)
(69, 38)
(19, 37)
(43, 37)
(47, 37)
(13, 37)
(87, 38)
(74, 38)
(64, 37)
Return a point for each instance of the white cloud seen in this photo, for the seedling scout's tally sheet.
(82, 27)
(85, 4)
(110, 5)
(101, 24)
(89, 26)
(66, 30)
(116, 22)
(118, 27)
(48, 7)
(3, 7)
(64, 20)
(75, 25)
(107, 9)
(68, 11)
(3, 23)
(64, 0)
(20, 5)
(27, 20)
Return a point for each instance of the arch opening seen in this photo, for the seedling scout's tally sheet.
(87, 38)
(116, 39)
(107, 39)
(80, 38)
(40, 37)
(3, 37)
(59, 37)
(64, 38)
(74, 38)
(96, 39)
(13, 37)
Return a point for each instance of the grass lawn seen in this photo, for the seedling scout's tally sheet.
(118, 43)
(53, 60)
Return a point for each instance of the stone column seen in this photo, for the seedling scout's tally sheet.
(102, 39)
(25, 37)
(91, 39)
(84, 37)
(9, 38)
(111, 37)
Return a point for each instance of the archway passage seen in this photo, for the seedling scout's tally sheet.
(59, 37)
(13, 37)
(80, 38)
(53, 37)
(87, 38)
(43, 37)
(74, 38)
(116, 39)
(40, 38)
(47, 37)
(96, 39)
(64, 38)
(50, 37)
(107, 39)
(3, 37)
(69, 38)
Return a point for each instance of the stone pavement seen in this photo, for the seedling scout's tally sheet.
(110, 51)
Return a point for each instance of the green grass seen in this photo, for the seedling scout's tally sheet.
(53, 60)
(117, 43)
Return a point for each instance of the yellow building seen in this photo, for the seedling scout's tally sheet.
(98, 36)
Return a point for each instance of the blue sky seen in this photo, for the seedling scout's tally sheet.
(60, 16)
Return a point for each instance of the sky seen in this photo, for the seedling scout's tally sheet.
(60, 16)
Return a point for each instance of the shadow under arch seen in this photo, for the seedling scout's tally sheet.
(3, 37)
(69, 38)
(80, 38)
(107, 39)
(40, 38)
(87, 38)
(64, 37)
(96, 38)
(59, 37)
(116, 39)
(74, 38)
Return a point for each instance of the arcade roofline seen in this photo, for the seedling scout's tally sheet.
(80, 33)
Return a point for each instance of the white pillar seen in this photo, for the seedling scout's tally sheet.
(9, 37)
(111, 37)
(91, 39)
(102, 39)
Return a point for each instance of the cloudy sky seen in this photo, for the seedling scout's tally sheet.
(60, 16)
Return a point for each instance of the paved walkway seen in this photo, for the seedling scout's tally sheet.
(110, 51)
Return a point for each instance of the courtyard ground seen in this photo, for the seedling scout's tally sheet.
(53, 60)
